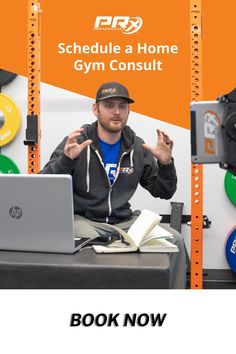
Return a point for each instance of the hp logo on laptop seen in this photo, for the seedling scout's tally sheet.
(15, 212)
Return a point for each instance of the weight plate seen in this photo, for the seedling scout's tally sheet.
(10, 119)
(8, 166)
(230, 249)
(6, 77)
(230, 186)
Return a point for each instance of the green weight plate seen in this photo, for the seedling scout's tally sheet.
(230, 186)
(7, 165)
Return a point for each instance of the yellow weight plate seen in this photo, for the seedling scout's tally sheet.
(10, 119)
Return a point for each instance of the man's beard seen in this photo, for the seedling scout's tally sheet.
(110, 127)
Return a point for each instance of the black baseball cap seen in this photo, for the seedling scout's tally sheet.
(112, 89)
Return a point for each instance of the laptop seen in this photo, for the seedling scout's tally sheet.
(36, 214)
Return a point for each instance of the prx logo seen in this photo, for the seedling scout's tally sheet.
(109, 90)
(211, 125)
(126, 24)
(126, 170)
(15, 212)
(233, 246)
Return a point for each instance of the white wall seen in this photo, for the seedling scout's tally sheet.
(63, 111)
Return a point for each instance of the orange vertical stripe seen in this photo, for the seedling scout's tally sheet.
(34, 79)
(197, 170)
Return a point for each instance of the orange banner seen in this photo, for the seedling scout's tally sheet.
(145, 45)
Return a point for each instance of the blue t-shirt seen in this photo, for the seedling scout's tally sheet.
(110, 154)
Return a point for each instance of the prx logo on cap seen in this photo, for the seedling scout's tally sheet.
(126, 24)
(109, 90)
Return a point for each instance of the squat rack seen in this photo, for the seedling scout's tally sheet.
(33, 118)
(197, 169)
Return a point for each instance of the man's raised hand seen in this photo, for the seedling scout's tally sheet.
(72, 149)
(163, 148)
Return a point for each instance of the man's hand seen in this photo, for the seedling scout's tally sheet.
(72, 149)
(163, 149)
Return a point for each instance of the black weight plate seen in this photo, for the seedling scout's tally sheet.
(6, 77)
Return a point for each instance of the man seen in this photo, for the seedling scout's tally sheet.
(107, 161)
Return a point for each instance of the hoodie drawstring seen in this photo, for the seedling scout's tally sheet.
(88, 162)
(132, 158)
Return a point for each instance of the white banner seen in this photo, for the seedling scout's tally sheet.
(112, 321)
